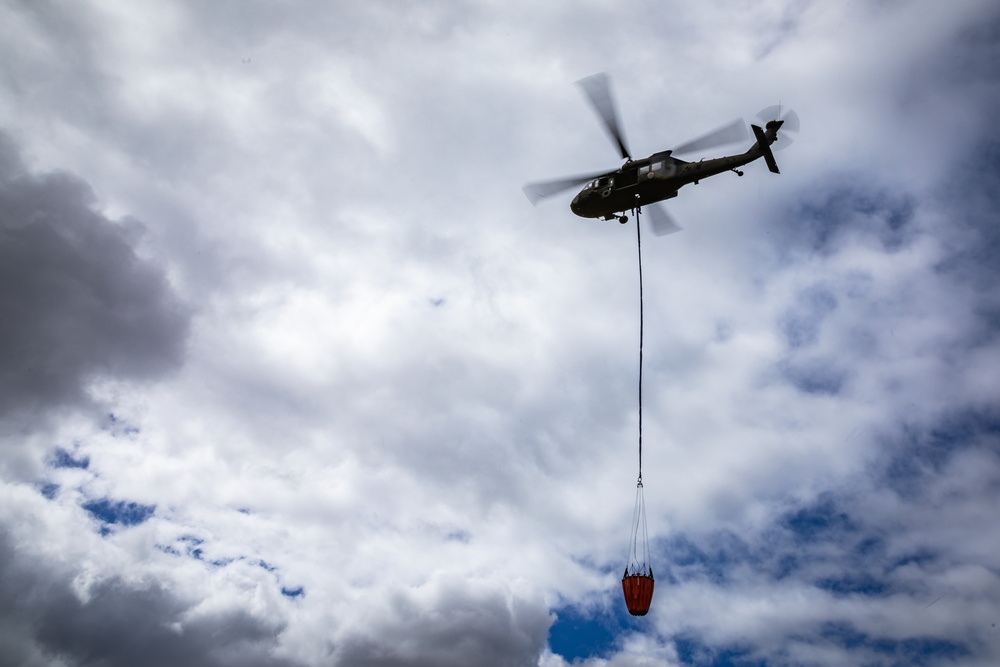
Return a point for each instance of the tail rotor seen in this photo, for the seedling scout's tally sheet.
(789, 126)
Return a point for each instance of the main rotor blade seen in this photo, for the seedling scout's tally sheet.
(660, 222)
(535, 192)
(772, 112)
(727, 134)
(598, 91)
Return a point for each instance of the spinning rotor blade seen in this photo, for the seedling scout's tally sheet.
(535, 192)
(728, 134)
(789, 127)
(660, 222)
(598, 91)
(791, 121)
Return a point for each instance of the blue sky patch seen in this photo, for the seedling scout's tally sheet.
(815, 376)
(911, 651)
(801, 323)
(582, 632)
(194, 549)
(819, 520)
(852, 557)
(118, 512)
(850, 204)
(296, 592)
(918, 558)
(857, 583)
(713, 558)
(692, 651)
(49, 490)
(119, 426)
(975, 187)
(63, 459)
(915, 651)
(921, 451)
(576, 635)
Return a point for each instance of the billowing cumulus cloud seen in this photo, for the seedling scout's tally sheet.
(78, 302)
(344, 397)
(446, 623)
(46, 622)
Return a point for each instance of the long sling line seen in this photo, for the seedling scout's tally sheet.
(638, 239)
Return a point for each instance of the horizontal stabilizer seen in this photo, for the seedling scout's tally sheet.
(765, 148)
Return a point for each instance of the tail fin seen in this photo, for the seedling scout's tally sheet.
(765, 148)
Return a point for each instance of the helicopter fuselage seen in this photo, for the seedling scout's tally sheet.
(659, 176)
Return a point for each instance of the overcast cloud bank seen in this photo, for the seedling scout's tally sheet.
(292, 374)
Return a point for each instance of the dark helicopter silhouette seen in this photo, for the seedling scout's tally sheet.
(638, 185)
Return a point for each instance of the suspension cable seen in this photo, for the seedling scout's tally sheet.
(638, 239)
(634, 564)
(640, 536)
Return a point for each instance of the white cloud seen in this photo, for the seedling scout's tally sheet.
(394, 421)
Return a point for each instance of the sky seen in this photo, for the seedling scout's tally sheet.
(292, 373)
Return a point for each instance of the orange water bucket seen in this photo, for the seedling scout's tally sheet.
(638, 589)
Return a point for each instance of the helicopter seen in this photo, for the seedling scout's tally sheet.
(641, 184)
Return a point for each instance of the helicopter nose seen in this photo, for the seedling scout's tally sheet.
(575, 205)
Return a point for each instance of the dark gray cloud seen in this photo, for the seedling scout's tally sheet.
(77, 301)
(43, 621)
(457, 627)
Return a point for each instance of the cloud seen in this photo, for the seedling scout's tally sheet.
(449, 623)
(44, 621)
(361, 404)
(79, 304)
